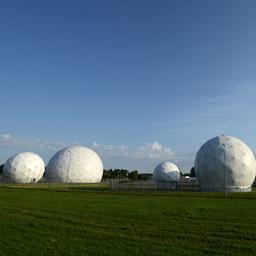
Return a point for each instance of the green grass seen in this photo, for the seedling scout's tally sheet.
(45, 222)
(58, 186)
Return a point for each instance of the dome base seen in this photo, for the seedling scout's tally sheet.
(219, 188)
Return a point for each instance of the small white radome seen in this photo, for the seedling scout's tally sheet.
(25, 167)
(166, 171)
(76, 164)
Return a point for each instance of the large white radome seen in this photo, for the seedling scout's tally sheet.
(25, 167)
(166, 171)
(225, 161)
(75, 164)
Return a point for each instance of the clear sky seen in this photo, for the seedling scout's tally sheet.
(139, 81)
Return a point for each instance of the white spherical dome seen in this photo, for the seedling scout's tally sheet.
(225, 161)
(166, 171)
(75, 164)
(25, 167)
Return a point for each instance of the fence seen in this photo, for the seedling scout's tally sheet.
(116, 185)
(150, 186)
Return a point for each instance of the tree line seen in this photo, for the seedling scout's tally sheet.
(125, 174)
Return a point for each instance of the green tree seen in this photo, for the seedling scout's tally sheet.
(115, 174)
(1, 168)
(144, 176)
(192, 172)
(133, 175)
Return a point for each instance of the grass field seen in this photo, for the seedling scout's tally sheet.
(43, 222)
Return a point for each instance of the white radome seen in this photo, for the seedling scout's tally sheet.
(25, 167)
(225, 162)
(166, 171)
(76, 164)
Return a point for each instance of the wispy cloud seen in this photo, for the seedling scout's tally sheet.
(109, 150)
(153, 150)
(144, 157)
(230, 112)
(8, 141)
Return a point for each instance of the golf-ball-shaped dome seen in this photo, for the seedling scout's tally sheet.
(225, 162)
(25, 167)
(166, 171)
(75, 164)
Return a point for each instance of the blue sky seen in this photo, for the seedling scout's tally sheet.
(138, 81)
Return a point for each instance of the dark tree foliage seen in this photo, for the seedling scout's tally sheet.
(192, 172)
(125, 174)
(133, 175)
(185, 174)
(115, 174)
(1, 168)
(145, 176)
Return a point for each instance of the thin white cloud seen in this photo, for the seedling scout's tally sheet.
(230, 112)
(153, 150)
(143, 158)
(8, 141)
(7, 136)
(108, 150)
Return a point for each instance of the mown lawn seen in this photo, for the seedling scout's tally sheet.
(42, 222)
